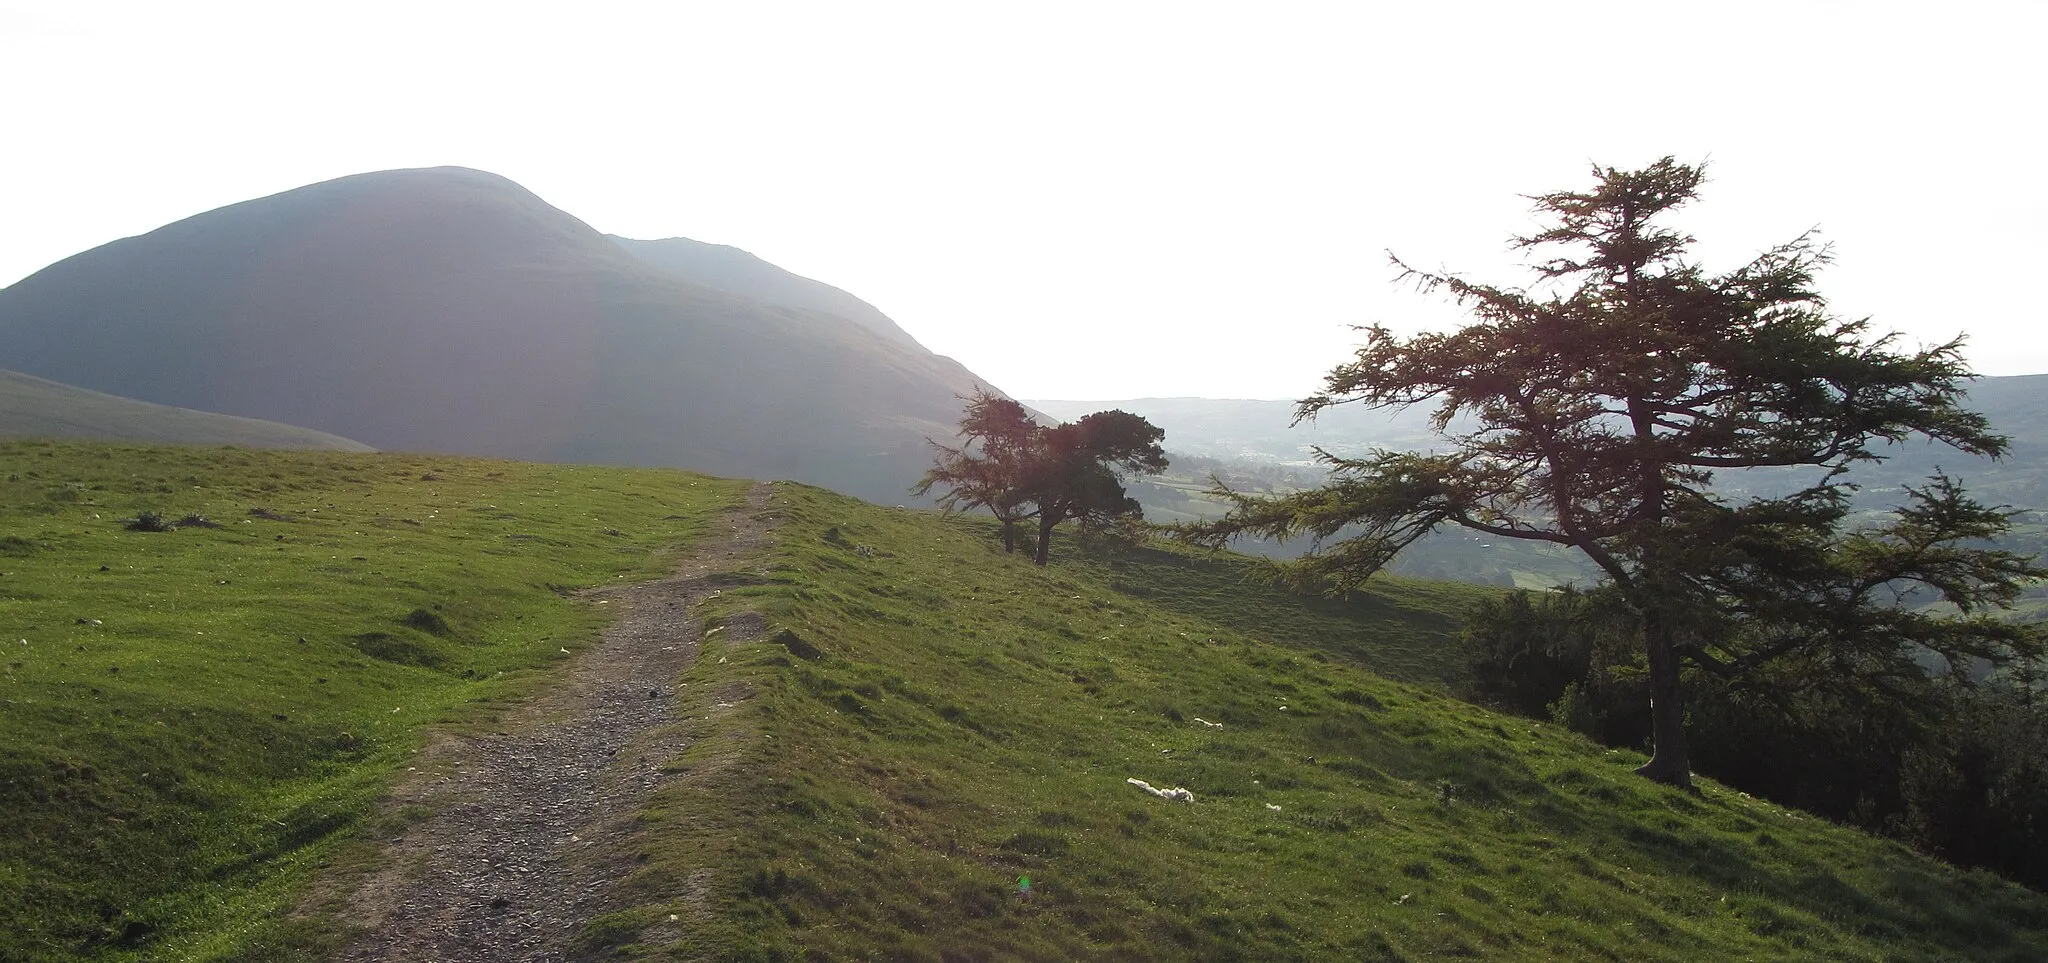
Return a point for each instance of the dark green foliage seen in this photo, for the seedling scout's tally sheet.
(1595, 416)
(1568, 656)
(17, 546)
(1955, 770)
(1976, 792)
(400, 650)
(148, 521)
(429, 622)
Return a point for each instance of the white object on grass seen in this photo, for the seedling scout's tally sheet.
(1176, 794)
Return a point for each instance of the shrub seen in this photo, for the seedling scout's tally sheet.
(148, 522)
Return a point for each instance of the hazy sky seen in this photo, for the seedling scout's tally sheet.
(1093, 200)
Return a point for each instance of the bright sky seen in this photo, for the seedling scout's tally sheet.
(1090, 200)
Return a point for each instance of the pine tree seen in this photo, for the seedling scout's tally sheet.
(998, 441)
(1595, 411)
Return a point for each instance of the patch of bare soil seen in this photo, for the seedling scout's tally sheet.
(521, 848)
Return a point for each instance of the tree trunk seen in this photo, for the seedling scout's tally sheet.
(1669, 762)
(1045, 524)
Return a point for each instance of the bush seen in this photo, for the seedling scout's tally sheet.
(148, 522)
(1960, 772)
(428, 622)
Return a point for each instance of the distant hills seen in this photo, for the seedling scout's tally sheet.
(451, 310)
(31, 407)
(1258, 431)
(1250, 444)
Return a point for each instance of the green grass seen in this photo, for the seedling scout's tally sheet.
(190, 720)
(930, 720)
(925, 722)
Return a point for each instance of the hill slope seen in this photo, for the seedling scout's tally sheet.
(734, 271)
(926, 724)
(451, 310)
(31, 407)
(939, 724)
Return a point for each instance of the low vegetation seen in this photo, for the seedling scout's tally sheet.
(932, 724)
(195, 708)
(924, 757)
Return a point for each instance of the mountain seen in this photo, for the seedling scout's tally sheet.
(31, 407)
(734, 271)
(451, 310)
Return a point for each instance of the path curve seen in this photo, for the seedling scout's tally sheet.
(511, 864)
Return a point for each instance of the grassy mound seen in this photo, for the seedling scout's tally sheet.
(928, 724)
(190, 716)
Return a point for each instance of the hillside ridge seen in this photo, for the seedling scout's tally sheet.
(448, 309)
(32, 407)
(740, 272)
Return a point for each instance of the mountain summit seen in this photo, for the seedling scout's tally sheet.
(448, 309)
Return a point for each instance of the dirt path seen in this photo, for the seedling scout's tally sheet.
(512, 862)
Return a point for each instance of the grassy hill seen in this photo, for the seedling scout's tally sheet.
(31, 407)
(190, 719)
(451, 310)
(963, 720)
(928, 724)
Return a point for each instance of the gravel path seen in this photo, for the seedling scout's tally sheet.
(513, 862)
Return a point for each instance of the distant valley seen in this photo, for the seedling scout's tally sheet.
(1251, 445)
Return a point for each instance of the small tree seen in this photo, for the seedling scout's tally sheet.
(1600, 411)
(998, 442)
(1081, 467)
(1017, 469)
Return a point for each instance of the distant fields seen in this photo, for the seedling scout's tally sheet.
(189, 719)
